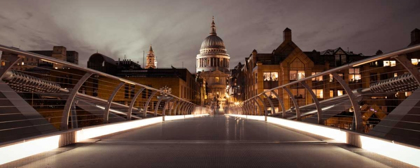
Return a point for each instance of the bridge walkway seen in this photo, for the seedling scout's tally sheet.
(213, 141)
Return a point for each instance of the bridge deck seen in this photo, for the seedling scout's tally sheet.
(215, 141)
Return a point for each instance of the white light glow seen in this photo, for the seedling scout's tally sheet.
(176, 117)
(332, 133)
(396, 151)
(113, 128)
(28, 148)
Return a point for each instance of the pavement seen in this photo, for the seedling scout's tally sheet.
(213, 141)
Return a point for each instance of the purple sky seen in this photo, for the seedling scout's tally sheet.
(177, 28)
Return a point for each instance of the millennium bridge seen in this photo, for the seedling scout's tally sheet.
(47, 120)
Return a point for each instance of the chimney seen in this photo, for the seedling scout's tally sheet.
(287, 35)
(415, 37)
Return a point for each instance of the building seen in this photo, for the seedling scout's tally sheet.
(181, 82)
(58, 52)
(287, 63)
(213, 67)
(151, 60)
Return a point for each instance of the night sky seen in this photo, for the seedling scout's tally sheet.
(177, 28)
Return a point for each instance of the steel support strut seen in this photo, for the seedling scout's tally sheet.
(70, 100)
(318, 107)
(270, 102)
(12, 61)
(133, 101)
(261, 108)
(108, 106)
(409, 66)
(264, 107)
(294, 103)
(146, 105)
(352, 97)
(280, 104)
(157, 105)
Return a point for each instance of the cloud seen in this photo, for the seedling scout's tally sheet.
(177, 28)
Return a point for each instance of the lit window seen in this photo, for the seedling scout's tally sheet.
(386, 63)
(217, 79)
(331, 78)
(23, 63)
(354, 74)
(395, 74)
(319, 93)
(407, 94)
(393, 63)
(340, 92)
(3, 63)
(319, 78)
(296, 75)
(415, 61)
(331, 93)
(271, 76)
(266, 76)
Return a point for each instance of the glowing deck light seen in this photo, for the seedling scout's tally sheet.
(399, 152)
(113, 128)
(28, 148)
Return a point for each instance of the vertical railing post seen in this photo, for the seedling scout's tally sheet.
(146, 105)
(259, 107)
(110, 99)
(273, 111)
(174, 105)
(70, 99)
(354, 103)
(264, 107)
(157, 104)
(133, 101)
(295, 103)
(316, 102)
(280, 104)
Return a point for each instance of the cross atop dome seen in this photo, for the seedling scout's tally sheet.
(213, 27)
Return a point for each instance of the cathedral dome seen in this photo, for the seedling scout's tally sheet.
(213, 44)
(212, 41)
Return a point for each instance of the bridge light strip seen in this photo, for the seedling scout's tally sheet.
(97, 131)
(386, 148)
(389, 149)
(28, 148)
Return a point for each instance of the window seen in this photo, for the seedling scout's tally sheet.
(354, 75)
(3, 63)
(340, 92)
(319, 78)
(331, 93)
(132, 87)
(393, 63)
(395, 75)
(415, 61)
(256, 78)
(373, 77)
(331, 78)
(319, 93)
(126, 90)
(407, 94)
(296, 75)
(271, 76)
(390, 63)
(217, 79)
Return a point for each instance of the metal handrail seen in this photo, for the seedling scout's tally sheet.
(75, 66)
